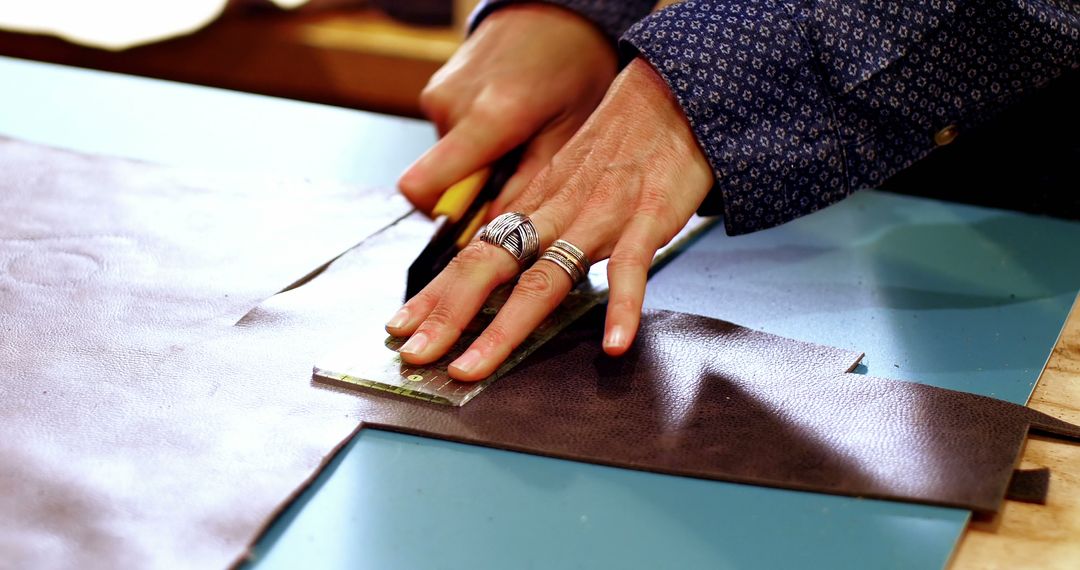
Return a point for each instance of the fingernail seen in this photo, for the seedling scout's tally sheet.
(399, 320)
(415, 344)
(616, 338)
(468, 361)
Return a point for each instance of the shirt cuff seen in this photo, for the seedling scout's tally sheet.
(795, 108)
(748, 82)
(613, 17)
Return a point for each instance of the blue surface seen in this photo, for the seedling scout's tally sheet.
(459, 506)
(187, 125)
(950, 295)
(956, 296)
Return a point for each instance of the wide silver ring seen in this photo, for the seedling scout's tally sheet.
(514, 232)
(569, 257)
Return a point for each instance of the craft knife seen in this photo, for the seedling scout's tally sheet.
(459, 214)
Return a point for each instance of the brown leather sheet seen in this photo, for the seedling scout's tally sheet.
(705, 398)
(155, 418)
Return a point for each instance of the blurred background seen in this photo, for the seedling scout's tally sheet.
(366, 54)
(377, 55)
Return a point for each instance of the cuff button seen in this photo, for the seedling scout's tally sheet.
(946, 135)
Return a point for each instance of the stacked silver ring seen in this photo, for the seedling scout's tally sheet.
(568, 257)
(515, 233)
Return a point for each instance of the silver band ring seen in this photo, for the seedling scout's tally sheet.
(569, 258)
(515, 233)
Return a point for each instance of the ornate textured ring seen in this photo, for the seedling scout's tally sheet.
(515, 233)
(569, 257)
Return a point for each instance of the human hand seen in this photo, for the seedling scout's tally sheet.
(528, 74)
(621, 188)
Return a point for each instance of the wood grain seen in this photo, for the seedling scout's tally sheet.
(1040, 536)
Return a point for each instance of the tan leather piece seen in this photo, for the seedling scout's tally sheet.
(118, 451)
(146, 429)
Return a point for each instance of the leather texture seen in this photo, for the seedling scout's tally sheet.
(705, 398)
(123, 448)
(159, 405)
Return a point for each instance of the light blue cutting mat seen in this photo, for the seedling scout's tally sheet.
(949, 295)
(956, 296)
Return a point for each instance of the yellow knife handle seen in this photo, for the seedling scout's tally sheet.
(457, 198)
(473, 227)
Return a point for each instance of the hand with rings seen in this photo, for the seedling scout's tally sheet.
(621, 188)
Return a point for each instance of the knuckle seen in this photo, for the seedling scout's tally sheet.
(425, 298)
(629, 258)
(623, 305)
(478, 258)
(493, 339)
(558, 162)
(536, 284)
(434, 98)
(472, 254)
(501, 116)
(653, 206)
(441, 318)
(498, 98)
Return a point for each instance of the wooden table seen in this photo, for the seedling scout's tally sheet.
(1040, 536)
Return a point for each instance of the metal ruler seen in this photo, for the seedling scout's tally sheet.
(373, 363)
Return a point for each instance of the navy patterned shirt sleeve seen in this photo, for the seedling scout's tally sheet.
(796, 104)
(613, 17)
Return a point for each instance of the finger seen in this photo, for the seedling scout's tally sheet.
(470, 145)
(439, 108)
(628, 271)
(530, 165)
(540, 289)
(435, 318)
(415, 310)
(537, 156)
(537, 293)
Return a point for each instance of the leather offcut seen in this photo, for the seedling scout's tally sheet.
(1029, 485)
